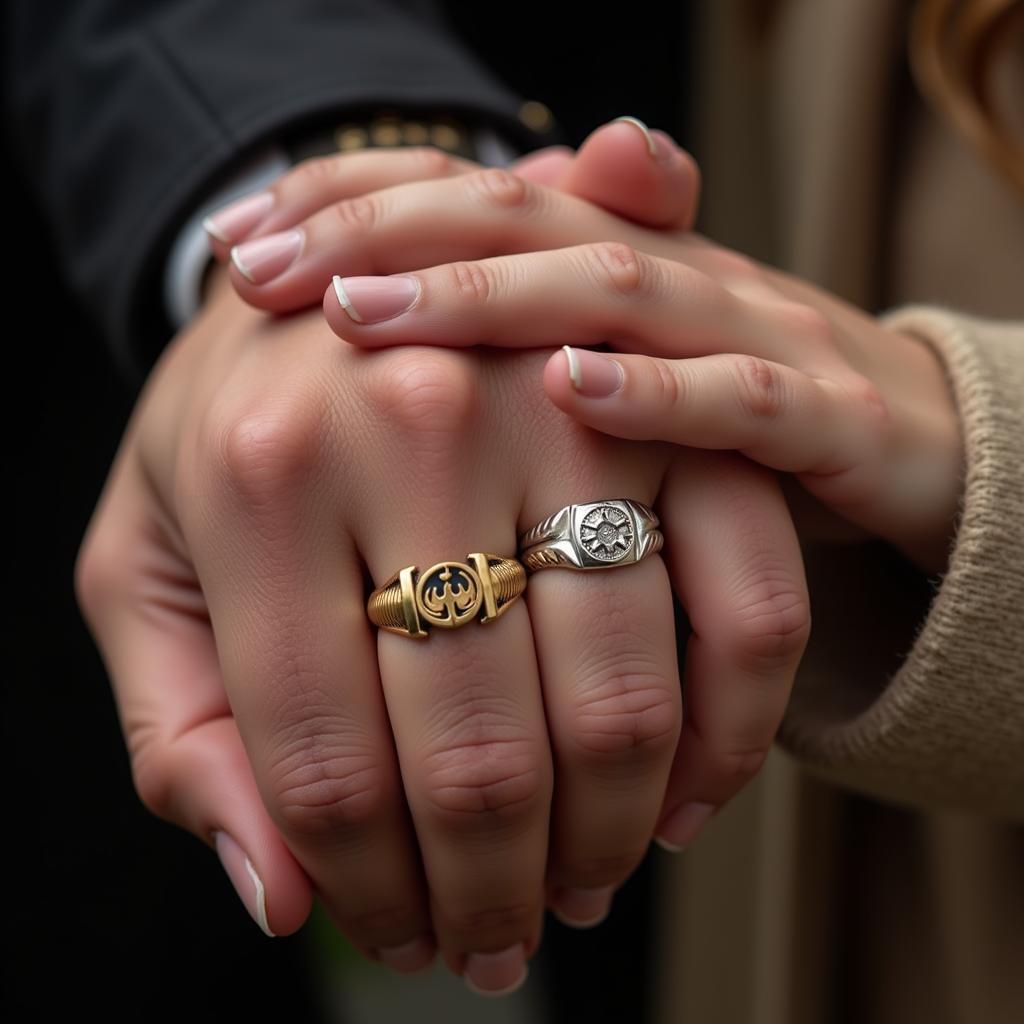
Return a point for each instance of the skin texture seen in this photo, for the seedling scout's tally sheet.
(744, 357)
(265, 474)
(860, 415)
(433, 794)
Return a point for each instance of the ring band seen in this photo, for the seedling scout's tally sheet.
(447, 595)
(594, 535)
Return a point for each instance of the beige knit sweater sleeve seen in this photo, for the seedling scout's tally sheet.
(912, 689)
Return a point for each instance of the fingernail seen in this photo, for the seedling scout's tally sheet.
(665, 147)
(232, 223)
(244, 878)
(593, 374)
(263, 259)
(582, 908)
(496, 974)
(411, 957)
(659, 145)
(369, 300)
(683, 826)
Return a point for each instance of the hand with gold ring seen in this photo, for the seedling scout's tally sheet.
(710, 768)
(262, 479)
(439, 793)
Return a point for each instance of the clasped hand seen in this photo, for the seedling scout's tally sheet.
(442, 793)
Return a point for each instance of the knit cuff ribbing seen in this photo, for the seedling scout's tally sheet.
(947, 727)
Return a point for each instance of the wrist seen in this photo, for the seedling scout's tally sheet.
(929, 461)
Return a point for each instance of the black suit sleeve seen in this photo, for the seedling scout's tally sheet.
(122, 111)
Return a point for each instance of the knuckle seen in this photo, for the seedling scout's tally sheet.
(473, 783)
(430, 162)
(504, 190)
(628, 712)
(806, 323)
(773, 622)
(262, 456)
(358, 213)
(870, 401)
(760, 386)
(321, 788)
(512, 918)
(314, 172)
(471, 282)
(618, 268)
(425, 393)
(668, 386)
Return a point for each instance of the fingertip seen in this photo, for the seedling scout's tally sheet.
(557, 378)
(636, 172)
(267, 879)
(337, 319)
(687, 179)
(219, 803)
(625, 137)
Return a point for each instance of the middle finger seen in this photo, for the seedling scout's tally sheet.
(465, 704)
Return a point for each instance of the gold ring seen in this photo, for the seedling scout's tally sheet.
(447, 595)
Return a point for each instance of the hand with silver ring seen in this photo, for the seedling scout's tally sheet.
(265, 475)
(438, 793)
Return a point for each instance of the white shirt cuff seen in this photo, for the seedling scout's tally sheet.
(190, 253)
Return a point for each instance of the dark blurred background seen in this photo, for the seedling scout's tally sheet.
(108, 910)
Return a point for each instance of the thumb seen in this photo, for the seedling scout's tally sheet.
(637, 173)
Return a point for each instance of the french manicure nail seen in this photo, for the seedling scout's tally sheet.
(636, 122)
(263, 259)
(665, 147)
(582, 908)
(683, 826)
(658, 143)
(496, 974)
(369, 300)
(411, 957)
(232, 223)
(593, 374)
(244, 878)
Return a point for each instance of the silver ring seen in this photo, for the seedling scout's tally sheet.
(594, 535)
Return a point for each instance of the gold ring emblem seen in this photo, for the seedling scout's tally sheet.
(447, 595)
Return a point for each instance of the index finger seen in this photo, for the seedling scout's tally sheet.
(318, 182)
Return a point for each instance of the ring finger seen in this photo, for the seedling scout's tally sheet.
(606, 645)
